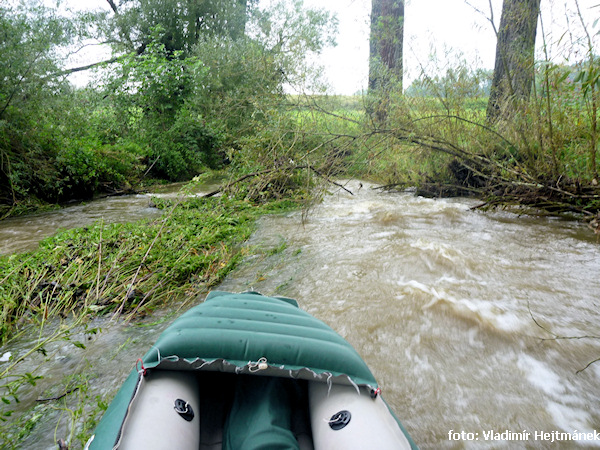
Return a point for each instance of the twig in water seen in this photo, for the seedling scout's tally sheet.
(558, 337)
(588, 365)
(58, 397)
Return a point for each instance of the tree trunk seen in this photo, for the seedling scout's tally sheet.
(385, 59)
(113, 6)
(514, 67)
(386, 43)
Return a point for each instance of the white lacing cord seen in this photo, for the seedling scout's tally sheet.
(329, 382)
(261, 364)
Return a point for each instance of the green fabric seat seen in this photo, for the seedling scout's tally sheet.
(260, 417)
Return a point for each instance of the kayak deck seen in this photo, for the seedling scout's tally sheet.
(244, 371)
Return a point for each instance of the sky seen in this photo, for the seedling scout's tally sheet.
(438, 33)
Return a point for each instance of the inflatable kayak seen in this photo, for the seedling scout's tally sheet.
(246, 371)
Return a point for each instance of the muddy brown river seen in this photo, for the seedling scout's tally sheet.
(457, 312)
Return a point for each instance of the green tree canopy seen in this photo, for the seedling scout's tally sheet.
(184, 22)
(30, 39)
(190, 83)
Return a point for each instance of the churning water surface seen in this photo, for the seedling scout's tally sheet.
(442, 302)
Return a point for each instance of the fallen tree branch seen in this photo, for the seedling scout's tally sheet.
(329, 180)
(290, 168)
(58, 397)
(317, 107)
(239, 180)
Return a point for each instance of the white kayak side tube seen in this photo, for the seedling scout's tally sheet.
(343, 419)
(164, 414)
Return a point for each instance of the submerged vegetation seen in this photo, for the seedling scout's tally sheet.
(128, 268)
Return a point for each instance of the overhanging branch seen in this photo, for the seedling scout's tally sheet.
(86, 67)
(113, 6)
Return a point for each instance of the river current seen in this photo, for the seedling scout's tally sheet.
(461, 315)
(442, 302)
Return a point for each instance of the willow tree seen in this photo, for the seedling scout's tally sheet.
(515, 48)
(386, 51)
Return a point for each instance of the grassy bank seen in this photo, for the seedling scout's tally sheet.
(127, 268)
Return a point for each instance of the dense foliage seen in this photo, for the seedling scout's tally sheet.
(30, 138)
(171, 103)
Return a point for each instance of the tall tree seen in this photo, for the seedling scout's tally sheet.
(385, 59)
(386, 43)
(515, 48)
(183, 21)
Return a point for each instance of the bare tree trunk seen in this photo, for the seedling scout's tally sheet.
(386, 42)
(385, 59)
(514, 67)
(113, 6)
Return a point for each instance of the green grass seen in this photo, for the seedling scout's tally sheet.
(127, 268)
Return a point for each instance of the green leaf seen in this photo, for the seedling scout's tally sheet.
(563, 77)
